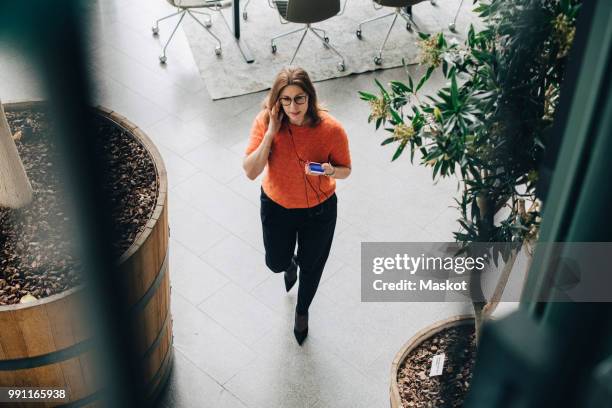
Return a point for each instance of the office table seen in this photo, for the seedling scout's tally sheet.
(242, 46)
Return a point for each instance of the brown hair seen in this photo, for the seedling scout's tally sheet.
(299, 77)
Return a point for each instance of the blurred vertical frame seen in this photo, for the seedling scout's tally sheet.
(51, 36)
(560, 353)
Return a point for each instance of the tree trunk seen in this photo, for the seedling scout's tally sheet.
(491, 305)
(15, 188)
(478, 319)
(485, 225)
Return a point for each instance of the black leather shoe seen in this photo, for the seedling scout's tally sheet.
(291, 274)
(300, 329)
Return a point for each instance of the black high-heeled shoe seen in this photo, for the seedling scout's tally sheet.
(291, 274)
(301, 321)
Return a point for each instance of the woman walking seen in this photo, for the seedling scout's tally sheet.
(305, 150)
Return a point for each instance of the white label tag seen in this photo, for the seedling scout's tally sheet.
(437, 364)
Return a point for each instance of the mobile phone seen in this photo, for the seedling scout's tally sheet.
(316, 167)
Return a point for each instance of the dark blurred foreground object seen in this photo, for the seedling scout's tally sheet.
(554, 354)
(49, 35)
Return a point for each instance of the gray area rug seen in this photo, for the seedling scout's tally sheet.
(229, 75)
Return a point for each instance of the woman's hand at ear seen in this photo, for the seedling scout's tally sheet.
(254, 163)
(276, 117)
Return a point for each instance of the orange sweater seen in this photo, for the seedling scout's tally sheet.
(285, 181)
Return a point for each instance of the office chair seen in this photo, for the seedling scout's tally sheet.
(189, 7)
(403, 9)
(245, 15)
(271, 4)
(308, 12)
(451, 26)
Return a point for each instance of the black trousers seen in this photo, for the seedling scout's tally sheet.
(312, 229)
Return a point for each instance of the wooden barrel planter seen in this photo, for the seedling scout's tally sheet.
(416, 341)
(46, 343)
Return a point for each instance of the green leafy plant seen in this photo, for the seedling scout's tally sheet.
(489, 125)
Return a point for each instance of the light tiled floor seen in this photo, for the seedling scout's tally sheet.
(232, 318)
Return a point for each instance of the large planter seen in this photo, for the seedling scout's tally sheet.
(415, 342)
(47, 343)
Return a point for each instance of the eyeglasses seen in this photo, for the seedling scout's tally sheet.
(300, 100)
